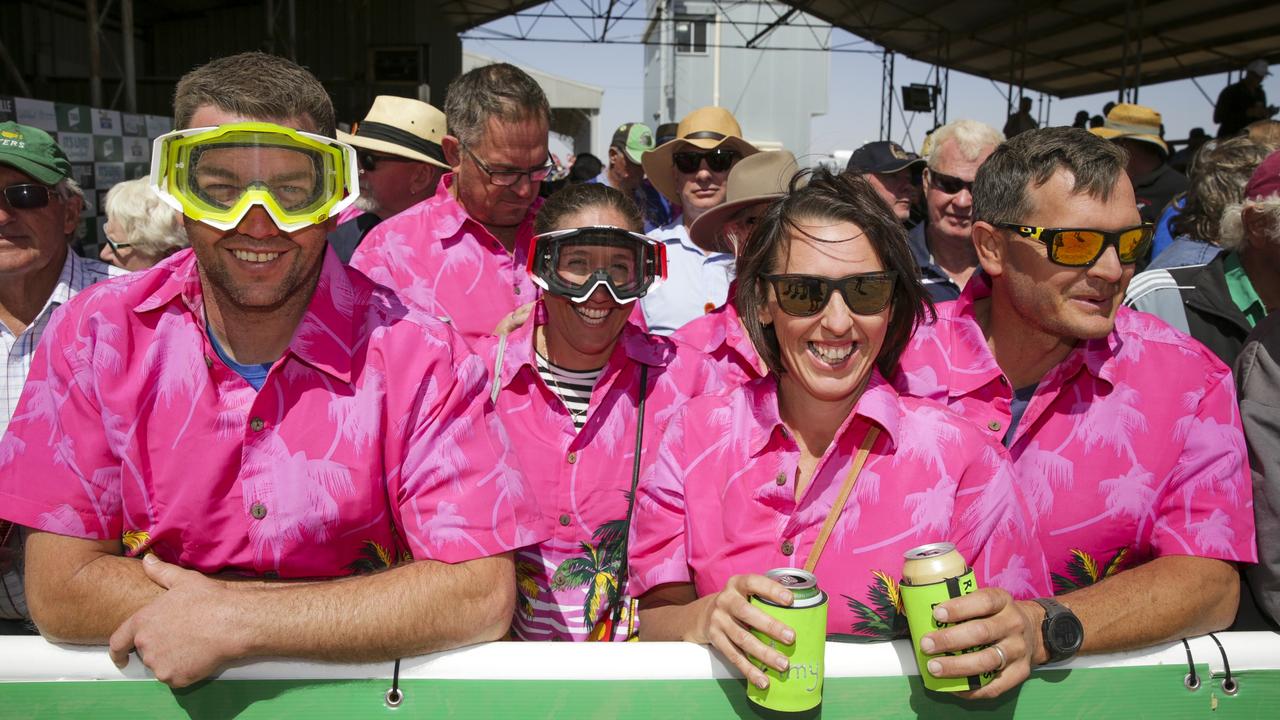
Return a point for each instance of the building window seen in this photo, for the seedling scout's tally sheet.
(691, 34)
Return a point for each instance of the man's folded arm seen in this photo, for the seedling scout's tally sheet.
(78, 590)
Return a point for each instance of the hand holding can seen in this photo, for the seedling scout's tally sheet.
(931, 575)
(797, 689)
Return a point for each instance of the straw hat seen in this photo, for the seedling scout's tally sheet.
(1133, 122)
(402, 127)
(706, 128)
(761, 178)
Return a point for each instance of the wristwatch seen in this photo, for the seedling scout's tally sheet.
(1062, 632)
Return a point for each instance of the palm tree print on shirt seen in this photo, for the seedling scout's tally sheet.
(527, 589)
(374, 557)
(883, 619)
(597, 569)
(1083, 571)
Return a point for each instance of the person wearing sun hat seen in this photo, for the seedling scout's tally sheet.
(1137, 129)
(691, 171)
(40, 207)
(753, 185)
(401, 161)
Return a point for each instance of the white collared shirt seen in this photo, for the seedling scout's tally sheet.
(697, 282)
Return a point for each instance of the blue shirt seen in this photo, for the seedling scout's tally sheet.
(255, 375)
(697, 282)
(1164, 226)
(1017, 407)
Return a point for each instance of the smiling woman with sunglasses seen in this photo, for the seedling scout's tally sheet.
(823, 453)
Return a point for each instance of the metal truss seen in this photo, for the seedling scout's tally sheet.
(626, 22)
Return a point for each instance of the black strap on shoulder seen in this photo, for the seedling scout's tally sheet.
(631, 496)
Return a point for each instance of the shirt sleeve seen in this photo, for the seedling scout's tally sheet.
(459, 495)
(993, 525)
(656, 552)
(1205, 508)
(57, 473)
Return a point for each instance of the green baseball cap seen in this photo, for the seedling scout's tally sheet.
(32, 151)
(634, 140)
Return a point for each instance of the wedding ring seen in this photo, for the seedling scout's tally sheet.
(1003, 659)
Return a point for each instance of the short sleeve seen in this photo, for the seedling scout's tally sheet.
(459, 494)
(656, 551)
(57, 472)
(1205, 508)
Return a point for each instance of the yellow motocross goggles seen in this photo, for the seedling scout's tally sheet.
(215, 174)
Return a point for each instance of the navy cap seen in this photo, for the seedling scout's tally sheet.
(882, 156)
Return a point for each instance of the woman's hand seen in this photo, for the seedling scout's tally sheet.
(988, 616)
(514, 320)
(728, 616)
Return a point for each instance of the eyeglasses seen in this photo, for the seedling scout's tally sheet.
(369, 161)
(115, 246)
(806, 295)
(948, 184)
(1081, 247)
(27, 196)
(718, 160)
(506, 178)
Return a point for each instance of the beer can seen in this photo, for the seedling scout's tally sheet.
(799, 689)
(931, 575)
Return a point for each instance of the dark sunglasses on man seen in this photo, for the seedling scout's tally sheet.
(27, 196)
(807, 295)
(718, 160)
(949, 184)
(1081, 247)
(369, 160)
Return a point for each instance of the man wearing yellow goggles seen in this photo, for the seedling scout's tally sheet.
(254, 408)
(216, 174)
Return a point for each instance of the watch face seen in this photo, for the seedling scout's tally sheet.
(1065, 634)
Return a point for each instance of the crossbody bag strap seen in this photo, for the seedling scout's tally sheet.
(838, 507)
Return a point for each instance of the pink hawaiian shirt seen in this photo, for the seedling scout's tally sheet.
(437, 257)
(1130, 448)
(568, 584)
(721, 336)
(369, 442)
(720, 501)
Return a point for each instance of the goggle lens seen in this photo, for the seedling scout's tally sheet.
(577, 263)
(718, 160)
(28, 196)
(807, 295)
(223, 174)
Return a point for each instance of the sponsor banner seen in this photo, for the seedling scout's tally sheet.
(7, 112)
(36, 113)
(74, 118)
(106, 122)
(77, 146)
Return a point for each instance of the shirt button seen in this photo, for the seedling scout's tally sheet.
(994, 425)
(573, 458)
(781, 479)
(258, 511)
(517, 289)
(564, 519)
(787, 547)
(256, 424)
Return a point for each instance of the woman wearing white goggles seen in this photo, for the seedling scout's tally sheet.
(573, 262)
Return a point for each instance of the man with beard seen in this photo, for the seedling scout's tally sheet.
(401, 161)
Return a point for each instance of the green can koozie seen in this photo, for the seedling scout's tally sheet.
(799, 689)
(918, 602)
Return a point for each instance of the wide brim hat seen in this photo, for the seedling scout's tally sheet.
(706, 129)
(1133, 122)
(403, 127)
(762, 178)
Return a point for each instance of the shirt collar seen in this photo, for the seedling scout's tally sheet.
(1240, 287)
(325, 337)
(634, 345)
(727, 330)
(63, 289)
(878, 404)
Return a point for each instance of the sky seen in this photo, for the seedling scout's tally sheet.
(853, 94)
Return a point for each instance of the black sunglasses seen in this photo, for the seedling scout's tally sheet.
(949, 184)
(28, 196)
(1081, 247)
(369, 161)
(718, 160)
(806, 295)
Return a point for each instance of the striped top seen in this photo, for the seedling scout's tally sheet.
(16, 352)
(573, 387)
